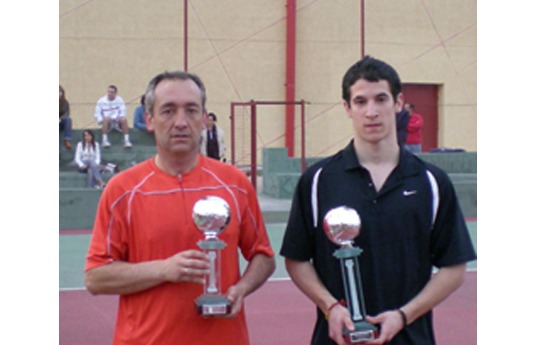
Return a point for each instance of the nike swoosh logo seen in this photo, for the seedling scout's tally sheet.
(409, 192)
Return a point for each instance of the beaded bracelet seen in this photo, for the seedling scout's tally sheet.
(340, 302)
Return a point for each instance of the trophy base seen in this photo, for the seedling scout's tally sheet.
(363, 331)
(213, 305)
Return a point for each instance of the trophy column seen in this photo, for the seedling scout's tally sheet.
(211, 216)
(342, 225)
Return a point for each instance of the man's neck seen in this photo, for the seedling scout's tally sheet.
(379, 159)
(177, 165)
(377, 154)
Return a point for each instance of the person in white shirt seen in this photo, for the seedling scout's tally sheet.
(88, 158)
(111, 113)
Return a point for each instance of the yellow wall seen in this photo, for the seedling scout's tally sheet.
(238, 48)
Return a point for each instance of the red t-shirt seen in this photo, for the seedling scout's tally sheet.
(146, 214)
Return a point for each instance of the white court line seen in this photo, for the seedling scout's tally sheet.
(270, 280)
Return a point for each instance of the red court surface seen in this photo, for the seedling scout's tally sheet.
(278, 314)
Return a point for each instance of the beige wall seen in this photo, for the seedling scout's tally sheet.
(238, 48)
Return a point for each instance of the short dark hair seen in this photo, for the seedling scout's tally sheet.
(373, 70)
(213, 116)
(150, 97)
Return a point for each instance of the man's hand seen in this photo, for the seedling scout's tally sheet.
(390, 323)
(236, 297)
(257, 272)
(339, 319)
(120, 277)
(186, 266)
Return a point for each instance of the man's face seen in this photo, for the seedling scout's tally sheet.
(111, 93)
(373, 111)
(178, 116)
(211, 122)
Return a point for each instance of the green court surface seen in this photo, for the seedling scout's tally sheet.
(73, 249)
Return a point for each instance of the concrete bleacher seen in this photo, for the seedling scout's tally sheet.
(77, 203)
(281, 174)
(275, 187)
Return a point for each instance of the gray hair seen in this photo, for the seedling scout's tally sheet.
(150, 97)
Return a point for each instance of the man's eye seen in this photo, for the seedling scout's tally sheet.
(167, 112)
(360, 101)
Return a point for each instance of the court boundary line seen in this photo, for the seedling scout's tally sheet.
(270, 280)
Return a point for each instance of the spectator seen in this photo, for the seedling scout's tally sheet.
(111, 113)
(411, 221)
(402, 120)
(65, 119)
(88, 159)
(213, 140)
(138, 117)
(414, 130)
(144, 242)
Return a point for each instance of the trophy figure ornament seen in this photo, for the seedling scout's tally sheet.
(342, 225)
(211, 216)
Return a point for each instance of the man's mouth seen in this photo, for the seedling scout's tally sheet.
(373, 125)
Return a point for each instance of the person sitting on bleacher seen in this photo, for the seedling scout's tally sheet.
(88, 158)
(111, 113)
(138, 117)
(65, 120)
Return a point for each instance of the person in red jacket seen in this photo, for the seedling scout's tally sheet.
(413, 143)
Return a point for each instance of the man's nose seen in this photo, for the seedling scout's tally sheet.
(180, 118)
(371, 110)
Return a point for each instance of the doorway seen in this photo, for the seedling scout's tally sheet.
(425, 98)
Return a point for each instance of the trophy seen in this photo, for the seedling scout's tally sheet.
(211, 215)
(342, 225)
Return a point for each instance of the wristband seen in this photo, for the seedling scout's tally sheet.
(340, 302)
(403, 317)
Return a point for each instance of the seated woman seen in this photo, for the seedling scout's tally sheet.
(138, 116)
(88, 157)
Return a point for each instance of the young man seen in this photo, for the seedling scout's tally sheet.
(144, 243)
(111, 113)
(411, 221)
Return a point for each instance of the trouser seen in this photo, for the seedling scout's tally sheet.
(92, 173)
(414, 148)
(65, 126)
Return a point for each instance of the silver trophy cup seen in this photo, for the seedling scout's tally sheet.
(212, 215)
(342, 225)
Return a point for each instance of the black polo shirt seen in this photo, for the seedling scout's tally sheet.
(412, 224)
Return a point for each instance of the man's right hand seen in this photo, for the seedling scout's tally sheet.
(187, 266)
(338, 320)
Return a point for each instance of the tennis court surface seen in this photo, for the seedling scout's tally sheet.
(278, 313)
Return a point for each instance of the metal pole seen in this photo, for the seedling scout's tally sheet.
(254, 144)
(233, 161)
(185, 35)
(362, 26)
(290, 76)
(303, 134)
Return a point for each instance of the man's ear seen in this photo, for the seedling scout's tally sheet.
(400, 101)
(148, 120)
(205, 119)
(347, 108)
